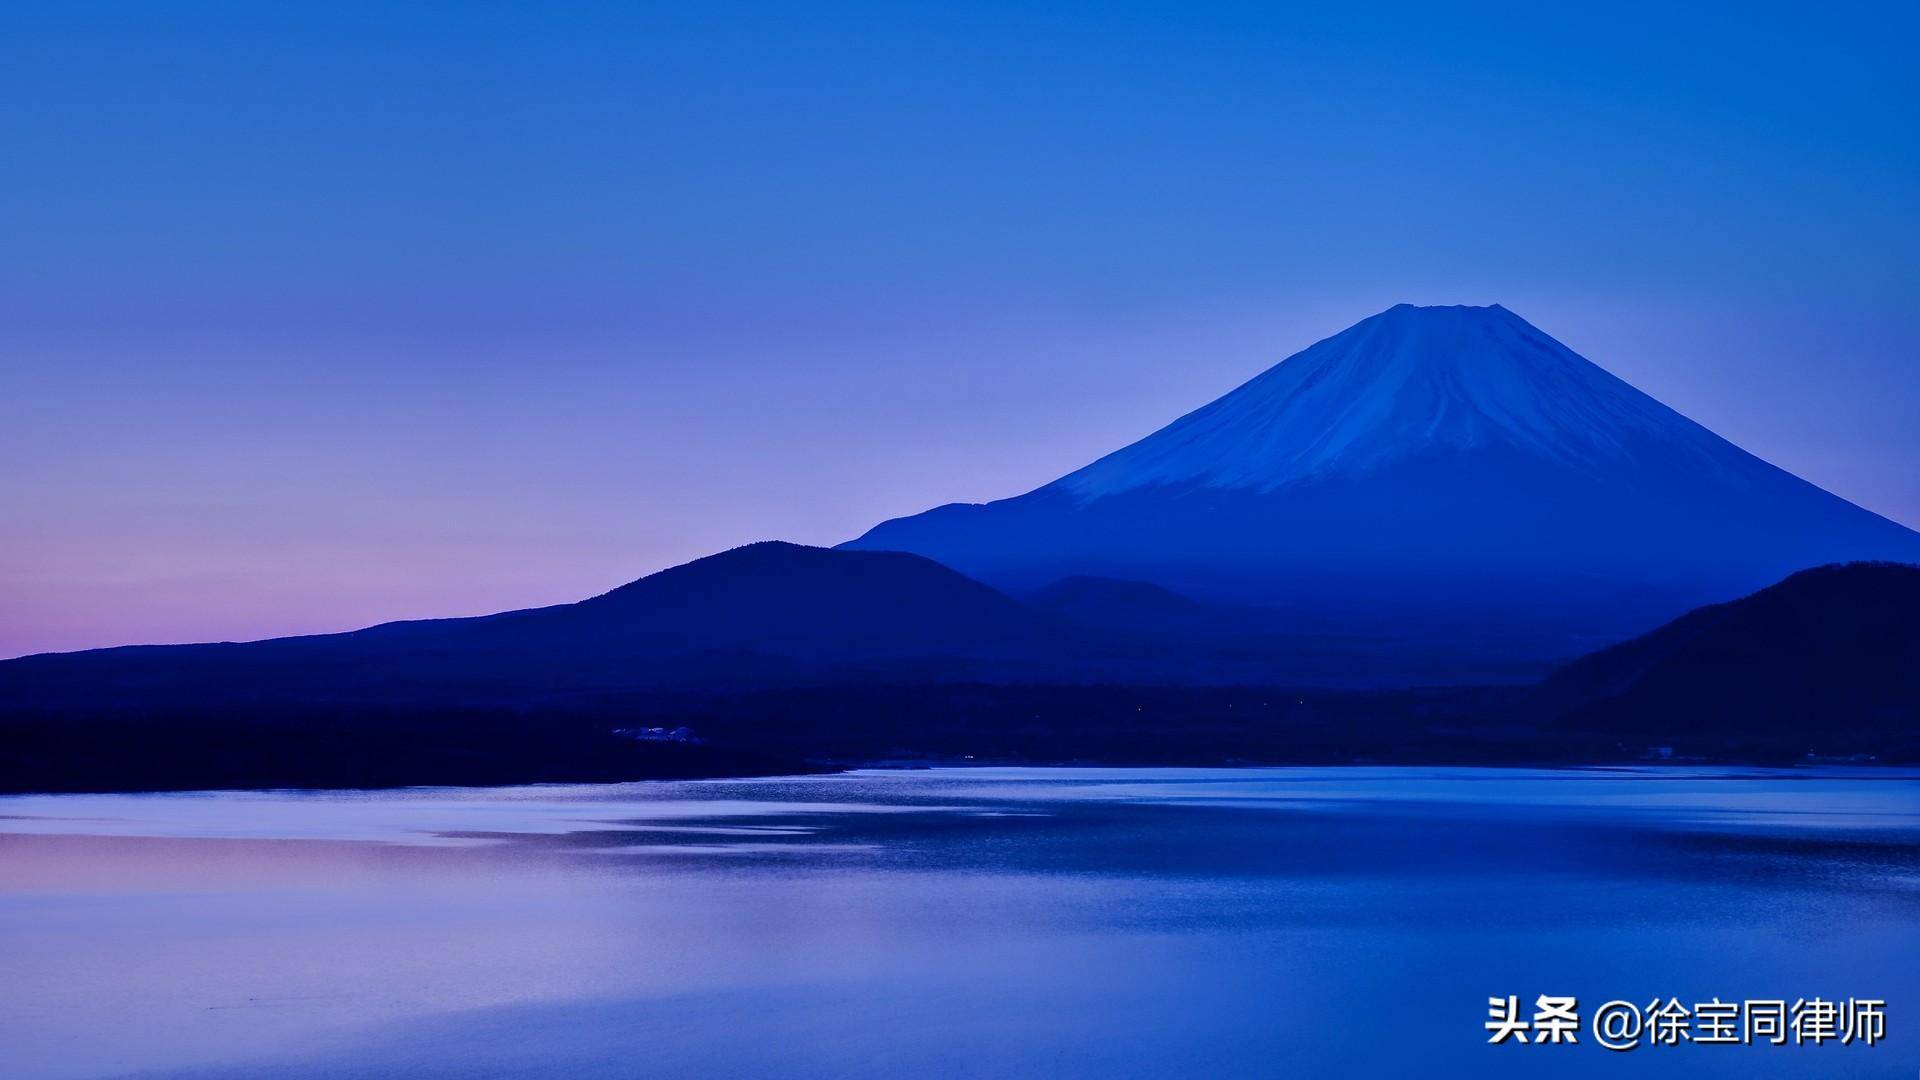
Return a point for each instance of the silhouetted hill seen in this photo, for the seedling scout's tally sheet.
(1827, 660)
(767, 658)
(806, 599)
(766, 615)
(1132, 605)
(760, 614)
(776, 657)
(548, 694)
(1146, 608)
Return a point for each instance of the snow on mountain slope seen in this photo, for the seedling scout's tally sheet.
(1401, 384)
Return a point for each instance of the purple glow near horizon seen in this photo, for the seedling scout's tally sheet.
(317, 318)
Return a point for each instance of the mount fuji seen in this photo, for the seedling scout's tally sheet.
(1445, 469)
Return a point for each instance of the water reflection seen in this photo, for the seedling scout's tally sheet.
(944, 922)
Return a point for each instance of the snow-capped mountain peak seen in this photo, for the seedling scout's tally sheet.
(1407, 382)
(1449, 464)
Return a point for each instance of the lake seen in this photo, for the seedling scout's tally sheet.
(954, 923)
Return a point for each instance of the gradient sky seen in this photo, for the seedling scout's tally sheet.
(314, 315)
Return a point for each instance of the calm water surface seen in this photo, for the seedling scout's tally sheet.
(982, 922)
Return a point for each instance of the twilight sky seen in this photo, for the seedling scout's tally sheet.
(318, 314)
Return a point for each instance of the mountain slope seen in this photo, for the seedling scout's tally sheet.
(1134, 605)
(803, 601)
(1829, 653)
(1454, 466)
(760, 613)
(1404, 383)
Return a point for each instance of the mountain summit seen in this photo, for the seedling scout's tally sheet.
(1437, 463)
(1409, 382)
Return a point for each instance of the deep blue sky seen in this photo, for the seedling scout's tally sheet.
(314, 315)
